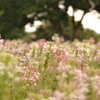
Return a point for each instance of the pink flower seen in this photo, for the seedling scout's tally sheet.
(98, 59)
(91, 40)
(58, 95)
(98, 44)
(41, 42)
(25, 71)
(25, 79)
(27, 85)
(33, 77)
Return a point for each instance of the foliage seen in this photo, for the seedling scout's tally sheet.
(46, 31)
(16, 14)
(50, 70)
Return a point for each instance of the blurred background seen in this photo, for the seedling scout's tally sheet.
(31, 20)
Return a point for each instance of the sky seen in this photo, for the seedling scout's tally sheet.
(29, 28)
(91, 20)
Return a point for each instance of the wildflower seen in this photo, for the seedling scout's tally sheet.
(96, 84)
(98, 44)
(50, 98)
(58, 95)
(25, 71)
(33, 76)
(91, 40)
(98, 59)
(41, 42)
(22, 59)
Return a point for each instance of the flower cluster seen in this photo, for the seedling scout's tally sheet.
(50, 70)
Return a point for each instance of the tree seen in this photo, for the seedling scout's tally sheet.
(97, 7)
(12, 20)
(84, 5)
(50, 10)
(16, 14)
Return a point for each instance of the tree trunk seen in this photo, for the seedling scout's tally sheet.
(76, 26)
(75, 31)
(57, 27)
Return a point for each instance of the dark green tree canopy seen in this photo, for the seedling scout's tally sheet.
(15, 14)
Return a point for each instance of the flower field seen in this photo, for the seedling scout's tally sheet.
(49, 70)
